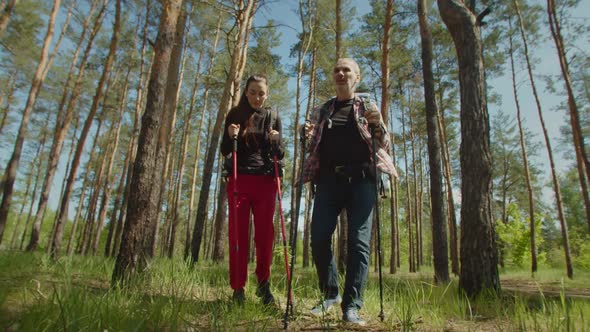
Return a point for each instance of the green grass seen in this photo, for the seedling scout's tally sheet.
(74, 294)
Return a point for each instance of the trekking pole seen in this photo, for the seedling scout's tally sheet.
(294, 234)
(376, 170)
(280, 198)
(234, 224)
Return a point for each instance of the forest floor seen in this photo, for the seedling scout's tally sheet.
(75, 294)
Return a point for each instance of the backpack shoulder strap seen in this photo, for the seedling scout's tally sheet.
(324, 109)
(366, 100)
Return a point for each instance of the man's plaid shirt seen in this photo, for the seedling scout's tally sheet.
(312, 162)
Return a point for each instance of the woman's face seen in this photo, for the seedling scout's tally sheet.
(256, 93)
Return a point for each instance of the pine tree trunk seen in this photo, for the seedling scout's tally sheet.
(31, 204)
(28, 183)
(408, 212)
(452, 220)
(93, 198)
(205, 98)
(132, 148)
(10, 89)
(219, 222)
(305, 38)
(527, 176)
(244, 22)
(133, 252)
(108, 178)
(63, 210)
(38, 162)
(12, 166)
(5, 15)
(73, 233)
(183, 155)
(109, 248)
(310, 102)
(62, 127)
(414, 201)
(187, 240)
(556, 186)
(579, 145)
(479, 260)
(439, 229)
(420, 205)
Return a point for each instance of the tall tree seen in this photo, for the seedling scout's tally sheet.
(205, 99)
(166, 130)
(306, 16)
(107, 188)
(408, 209)
(555, 179)
(479, 260)
(63, 209)
(65, 116)
(12, 166)
(533, 247)
(132, 147)
(132, 256)
(243, 17)
(439, 229)
(578, 137)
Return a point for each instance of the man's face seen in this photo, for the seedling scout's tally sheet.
(345, 76)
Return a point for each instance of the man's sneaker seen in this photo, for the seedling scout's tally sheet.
(238, 296)
(263, 292)
(351, 315)
(325, 305)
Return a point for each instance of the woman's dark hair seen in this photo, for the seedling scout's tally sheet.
(243, 104)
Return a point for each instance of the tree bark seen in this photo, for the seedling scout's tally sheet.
(132, 257)
(132, 148)
(166, 130)
(479, 260)
(439, 229)
(12, 166)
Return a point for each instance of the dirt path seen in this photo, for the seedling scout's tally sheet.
(548, 289)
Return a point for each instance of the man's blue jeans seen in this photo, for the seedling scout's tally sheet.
(358, 198)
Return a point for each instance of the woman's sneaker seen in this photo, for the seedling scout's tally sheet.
(325, 305)
(351, 315)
